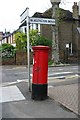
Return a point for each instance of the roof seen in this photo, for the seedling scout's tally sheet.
(46, 14)
(5, 36)
(65, 15)
(37, 14)
(62, 14)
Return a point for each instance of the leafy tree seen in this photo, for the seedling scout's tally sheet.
(35, 39)
(33, 35)
(41, 40)
(20, 39)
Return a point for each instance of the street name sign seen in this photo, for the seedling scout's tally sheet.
(33, 20)
(42, 21)
(23, 16)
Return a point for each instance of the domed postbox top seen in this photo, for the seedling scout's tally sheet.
(40, 47)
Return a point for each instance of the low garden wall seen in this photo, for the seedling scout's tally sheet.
(20, 58)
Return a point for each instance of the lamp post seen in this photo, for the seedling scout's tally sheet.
(55, 47)
(28, 48)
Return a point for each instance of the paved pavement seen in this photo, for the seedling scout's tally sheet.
(66, 95)
(63, 101)
(25, 107)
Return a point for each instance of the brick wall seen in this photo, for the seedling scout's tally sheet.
(21, 58)
(8, 61)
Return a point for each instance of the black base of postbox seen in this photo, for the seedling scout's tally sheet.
(39, 91)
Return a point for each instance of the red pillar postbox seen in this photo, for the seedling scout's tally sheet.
(40, 72)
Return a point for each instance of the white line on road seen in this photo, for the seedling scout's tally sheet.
(58, 73)
(7, 83)
(21, 72)
(50, 86)
(50, 79)
(12, 83)
(67, 78)
(60, 69)
(75, 68)
(59, 77)
(10, 93)
(23, 80)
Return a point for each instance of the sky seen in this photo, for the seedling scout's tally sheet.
(10, 11)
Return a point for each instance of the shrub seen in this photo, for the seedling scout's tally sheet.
(7, 50)
(41, 40)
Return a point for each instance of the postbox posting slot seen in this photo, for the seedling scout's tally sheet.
(37, 69)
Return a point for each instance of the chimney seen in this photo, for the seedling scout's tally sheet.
(75, 10)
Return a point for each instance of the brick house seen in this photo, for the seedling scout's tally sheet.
(1, 36)
(68, 22)
(8, 38)
(67, 30)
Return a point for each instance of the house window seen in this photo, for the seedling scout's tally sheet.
(36, 26)
(70, 47)
(6, 40)
(25, 30)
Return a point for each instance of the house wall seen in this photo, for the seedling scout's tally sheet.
(75, 38)
(67, 34)
(65, 37)
(46, 30)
